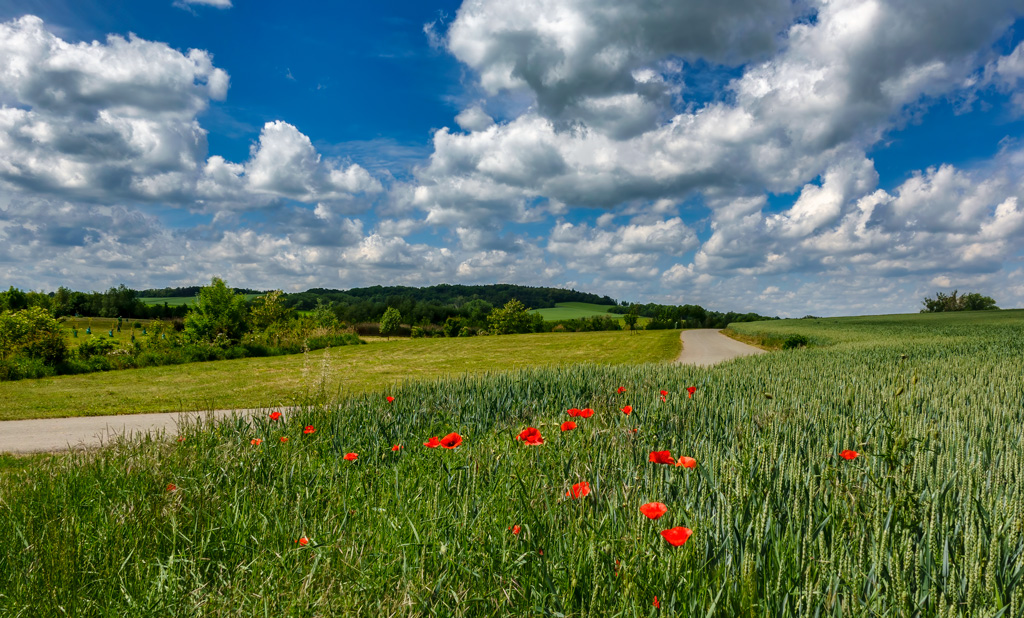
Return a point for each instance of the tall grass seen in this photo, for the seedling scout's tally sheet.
(927, 521)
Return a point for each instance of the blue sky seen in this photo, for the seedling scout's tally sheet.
(787, 157)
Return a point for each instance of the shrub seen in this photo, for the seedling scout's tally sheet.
(416, 332)
(795, 341)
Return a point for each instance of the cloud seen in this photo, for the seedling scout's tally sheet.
(220, 4)
(474, 119)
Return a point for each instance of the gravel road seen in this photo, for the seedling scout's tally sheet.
(707, 346)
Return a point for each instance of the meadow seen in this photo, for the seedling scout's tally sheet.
(877, 472)
(571, 311)
(177, 301)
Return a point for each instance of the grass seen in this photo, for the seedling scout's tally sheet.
(926, 521)
(177, 301)
(102, 327)
(570, 311)
(253, 382)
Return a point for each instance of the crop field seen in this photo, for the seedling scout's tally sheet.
(81, 329)
(285, 380)
(878, 472)
(570, 311)
(176, 301)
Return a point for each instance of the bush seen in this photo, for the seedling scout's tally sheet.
(795, 341)
(416, 332)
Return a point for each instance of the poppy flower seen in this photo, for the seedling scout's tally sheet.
(275, 416)
(627, 410)
(656, 604)
(573, 411)
(433, 442)
(309, 429)
(284, 439)
(451, 440)
(661, 457)
(181, 438)
(687, 462)
(664, 398)
(634, 430)
(653, 510)
(676, 536)
(531, 435)
(690, 390)
(568, 425)
(396, 447)
(514, 529)
(172, 487)
(663, 393)
(586, 413)
(848, 455)
(579, 490)
(621, 389)
(302, 541)
(256, 441)
(351, 456)
(390, 398)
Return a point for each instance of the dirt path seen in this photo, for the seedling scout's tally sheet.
(707, 346)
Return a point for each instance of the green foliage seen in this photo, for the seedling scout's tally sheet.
(795, 341)
(967, 302)
(514, 317)
(268, 310)
(390, 322)
(451, 326)
(631, 317)
(32, 333)
(219, 316)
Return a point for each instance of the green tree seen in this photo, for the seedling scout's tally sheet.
(390, 322)
(218, 316)
(967, 302)
(32, 333)
(631, 318)
(268, 310)
(514, 317)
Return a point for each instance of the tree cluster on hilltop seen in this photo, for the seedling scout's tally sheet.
(685, 316)
(967, 302)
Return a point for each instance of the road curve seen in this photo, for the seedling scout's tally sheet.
(707, 346)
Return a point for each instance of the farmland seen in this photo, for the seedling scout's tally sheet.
(571, 311)
(175, 301)
(923, 516)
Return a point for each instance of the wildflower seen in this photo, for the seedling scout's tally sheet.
(634, 430)
(309, 429)
(181, 438)
(531, 436)
(661, 457)
(302, 541)
(663, 393)
(396, 447)
(848, 455)
(653, 510)
(627, 410)
(275, 415)
(573, 412)
(690, 390)
(515, 529)
(351, 456)
(172, 487)
(568, 425)
(256, 441)
(656, 604)
(451, 440)
(621, 389)
(586, 413)
(579, 490)
(687, 462)
(676, 536)
(283, 439)
(433, 442)
(390, 398)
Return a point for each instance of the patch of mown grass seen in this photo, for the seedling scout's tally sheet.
(925, 521)
(256, 382)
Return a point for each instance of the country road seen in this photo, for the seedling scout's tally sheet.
(701, 347)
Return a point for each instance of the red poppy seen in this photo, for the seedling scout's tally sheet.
(351, 456)
(621, 389)
(309, 429)
(396, 447)
(514, 529)
(451, 440)
(634, 430)
(433, 442)
(661, 457)
(687, 462)
(256, 442)
(531, 436)
(172, 487)
(390, 398)
(586, 413)
(627, 410)
(568, 425)
(302, 541)
(284, 439)
(848, 455)
(573, 412)
(181, 438)
(664, 398)
(275, 416)
(579, 490)
(656, 604)
(676, 536)
(663, 393)
(653, 510)
(690, 390)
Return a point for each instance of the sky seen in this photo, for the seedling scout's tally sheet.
(789, 157)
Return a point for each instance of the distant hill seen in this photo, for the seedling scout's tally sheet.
(446, 294)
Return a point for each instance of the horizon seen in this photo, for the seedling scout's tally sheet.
(786, 157)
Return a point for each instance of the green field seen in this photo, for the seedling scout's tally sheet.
(571, 311)
(176, 301)
(102, 327)
(251, 382)
(927, 520)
